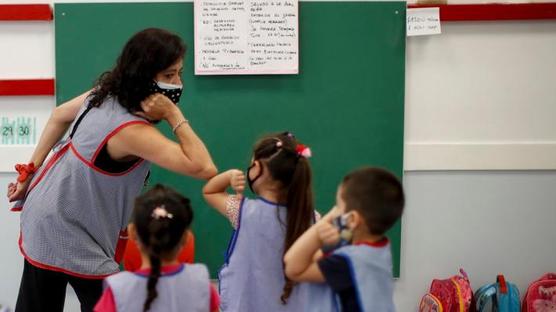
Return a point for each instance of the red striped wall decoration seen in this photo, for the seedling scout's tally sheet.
(492, 12)
(25, 87)
(25, 12)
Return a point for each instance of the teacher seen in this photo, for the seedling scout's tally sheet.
(77, 205)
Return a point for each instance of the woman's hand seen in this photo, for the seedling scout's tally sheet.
(157, 107)
(17, 191)
(237, 180)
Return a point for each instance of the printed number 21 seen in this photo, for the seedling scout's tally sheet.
(7, 131)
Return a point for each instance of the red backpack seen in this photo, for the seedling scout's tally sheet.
(541, 295)
(449, 295)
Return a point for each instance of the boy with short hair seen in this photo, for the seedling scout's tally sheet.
(355, 273)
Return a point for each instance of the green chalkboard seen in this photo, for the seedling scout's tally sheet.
(347, 102)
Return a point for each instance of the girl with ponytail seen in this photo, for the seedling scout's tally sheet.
(252, 278)
(160, 221)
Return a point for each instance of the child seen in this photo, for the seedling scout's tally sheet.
(132, 256)
(252, 278)
(160, 223)
(356, 276)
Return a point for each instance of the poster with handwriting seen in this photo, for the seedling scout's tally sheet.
(234, 37)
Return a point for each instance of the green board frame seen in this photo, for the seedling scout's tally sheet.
(347, 103)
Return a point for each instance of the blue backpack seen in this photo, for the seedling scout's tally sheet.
(501, 296)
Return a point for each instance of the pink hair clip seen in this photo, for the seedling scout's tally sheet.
(278, 143)
(160, 212)
(303, 151)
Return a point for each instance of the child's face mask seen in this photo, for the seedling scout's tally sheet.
(172, 91)
(346, 234)
(250, 181)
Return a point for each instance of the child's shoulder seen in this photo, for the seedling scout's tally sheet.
(200, 270)
(364, 248)
(197, 266)
(120, 278)
(248, 202)
(122, 274)
(364, 255)
(347, 250)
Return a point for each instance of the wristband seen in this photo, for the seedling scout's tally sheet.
(25, 171)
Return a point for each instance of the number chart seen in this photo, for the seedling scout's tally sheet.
(20, 130)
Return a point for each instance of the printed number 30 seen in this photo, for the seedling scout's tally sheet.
(23, 131)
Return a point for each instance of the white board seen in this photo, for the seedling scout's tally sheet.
(234, 37)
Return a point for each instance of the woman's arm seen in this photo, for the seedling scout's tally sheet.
(188, 157)
(58, 123)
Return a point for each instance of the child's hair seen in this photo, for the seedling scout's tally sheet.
(377, 195)
(279, 152)
(161, 217)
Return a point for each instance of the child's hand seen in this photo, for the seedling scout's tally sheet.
(333, 213)
(237, 180)
(328, 234)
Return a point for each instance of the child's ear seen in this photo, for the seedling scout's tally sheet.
(132, 232)
(255, 168)
(184, 237)
(355, 220)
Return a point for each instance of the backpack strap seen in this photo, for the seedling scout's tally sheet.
(429, 303)
(502, 282)
(485, 295)
(508, 299)
(459, 294)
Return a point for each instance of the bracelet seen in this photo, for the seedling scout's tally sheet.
(179, 124)
(25, 171)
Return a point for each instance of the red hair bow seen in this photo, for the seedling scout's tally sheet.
(303, 151)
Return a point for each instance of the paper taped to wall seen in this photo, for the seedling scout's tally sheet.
(423, 21)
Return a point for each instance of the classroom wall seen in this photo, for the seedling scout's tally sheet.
(486, 222)
(481, 96)
(476, 84)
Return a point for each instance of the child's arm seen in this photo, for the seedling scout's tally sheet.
(215, 193)
(301, 260)
(106, 303)
(214, 299)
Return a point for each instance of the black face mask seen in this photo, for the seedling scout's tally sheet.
(251, 182)
(173, 92)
